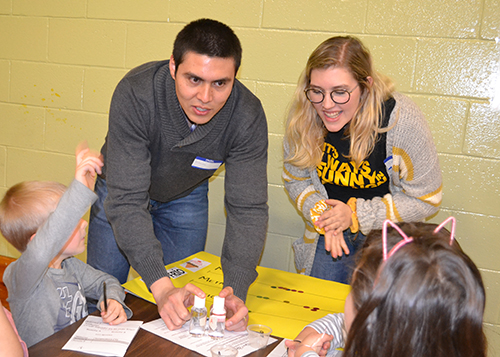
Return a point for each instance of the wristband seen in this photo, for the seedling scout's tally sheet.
(318, 209)
(354, 217)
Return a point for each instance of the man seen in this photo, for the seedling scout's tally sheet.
(171, 125)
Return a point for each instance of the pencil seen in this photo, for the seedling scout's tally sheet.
(105, 297)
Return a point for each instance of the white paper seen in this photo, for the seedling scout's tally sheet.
(99, 338)
(202, 345)
(279, 351)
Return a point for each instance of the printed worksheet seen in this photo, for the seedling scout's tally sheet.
(202, 345)
(99, 338)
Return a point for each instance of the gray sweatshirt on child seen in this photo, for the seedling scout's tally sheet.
(44, 300)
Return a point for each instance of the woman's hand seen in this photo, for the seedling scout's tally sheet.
(335, 220)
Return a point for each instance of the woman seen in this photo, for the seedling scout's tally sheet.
(356, 153)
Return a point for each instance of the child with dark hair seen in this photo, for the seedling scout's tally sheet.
(47, 286)
(424, 297)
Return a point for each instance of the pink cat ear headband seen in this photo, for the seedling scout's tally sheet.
(407, 239)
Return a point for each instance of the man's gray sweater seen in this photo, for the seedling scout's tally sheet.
(149, 152)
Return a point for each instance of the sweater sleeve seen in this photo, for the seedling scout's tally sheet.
(24, 275)
(415, 176)
(128, 177)
(301, 188)
(246, 203)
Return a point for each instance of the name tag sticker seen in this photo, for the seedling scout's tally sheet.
(206, 164)
(388, 163)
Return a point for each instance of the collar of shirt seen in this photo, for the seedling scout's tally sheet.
(191, 126)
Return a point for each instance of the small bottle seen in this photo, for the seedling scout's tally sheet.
(198, 317)
(217, 321)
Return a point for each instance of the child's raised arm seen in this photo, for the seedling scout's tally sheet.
(88, 163)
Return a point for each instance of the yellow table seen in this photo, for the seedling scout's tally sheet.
(284, 301)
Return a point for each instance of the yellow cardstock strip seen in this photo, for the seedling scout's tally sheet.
(284, 301)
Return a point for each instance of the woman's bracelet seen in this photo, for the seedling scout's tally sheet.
(354, 217)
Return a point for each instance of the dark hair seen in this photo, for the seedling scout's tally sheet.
(369, 258)
(428, 300)
(207, 37)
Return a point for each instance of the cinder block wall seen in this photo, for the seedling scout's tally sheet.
(61, 59)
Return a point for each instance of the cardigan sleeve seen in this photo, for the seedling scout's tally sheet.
(301, 187)
(415, 176)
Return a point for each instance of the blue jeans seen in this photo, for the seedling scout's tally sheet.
(339, 269)
(180, 226)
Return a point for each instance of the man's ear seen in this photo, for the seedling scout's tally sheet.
(33, 236)
(171, 65)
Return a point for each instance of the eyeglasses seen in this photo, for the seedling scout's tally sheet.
(339, 96)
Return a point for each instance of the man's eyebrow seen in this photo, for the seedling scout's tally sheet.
(192, 75)
(225, 79)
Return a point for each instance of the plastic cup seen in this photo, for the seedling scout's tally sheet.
(258, 335)
(223, 351)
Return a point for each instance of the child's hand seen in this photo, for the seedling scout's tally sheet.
(316, 342)
(115, 314)
(307, 334)
(88, 163)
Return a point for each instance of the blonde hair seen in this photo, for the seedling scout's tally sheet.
(25, 207)
(305, 132)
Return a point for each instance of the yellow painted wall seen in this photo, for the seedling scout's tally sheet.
(60, 60)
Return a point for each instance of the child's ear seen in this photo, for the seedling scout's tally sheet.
(33, 236)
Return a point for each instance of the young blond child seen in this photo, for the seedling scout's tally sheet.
(47, 286)
(417, 295)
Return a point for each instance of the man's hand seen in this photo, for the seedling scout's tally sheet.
(172, 302)
(236, 311)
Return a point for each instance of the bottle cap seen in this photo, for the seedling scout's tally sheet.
(199, 303)
(218, 305)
